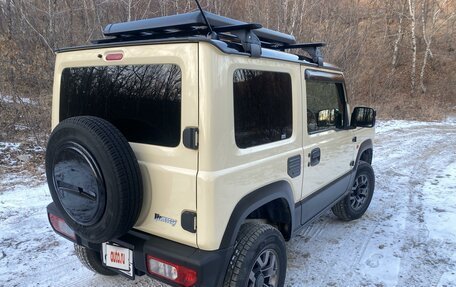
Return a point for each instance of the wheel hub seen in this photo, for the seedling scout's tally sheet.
(259, 281)
(265, 271)
(359, 192)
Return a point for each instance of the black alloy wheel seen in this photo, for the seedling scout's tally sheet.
(359, 192)
(355, 204)
(265, 270)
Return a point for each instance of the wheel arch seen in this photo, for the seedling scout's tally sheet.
(365, 152)
(278, 194)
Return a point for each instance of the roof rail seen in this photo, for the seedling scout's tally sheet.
(251, 36)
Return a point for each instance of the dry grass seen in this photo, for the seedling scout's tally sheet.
(423, 109)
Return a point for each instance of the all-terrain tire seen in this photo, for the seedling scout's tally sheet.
(92, 260)
(252, 244)
(355, 204)
(94, 178)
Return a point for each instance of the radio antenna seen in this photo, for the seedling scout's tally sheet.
(204, 17)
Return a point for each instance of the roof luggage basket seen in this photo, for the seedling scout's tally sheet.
(251, 36)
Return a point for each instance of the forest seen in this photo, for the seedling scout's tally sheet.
(398, 56)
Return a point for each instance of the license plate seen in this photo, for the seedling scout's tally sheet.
(118, 257)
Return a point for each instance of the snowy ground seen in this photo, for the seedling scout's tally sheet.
(406, 238)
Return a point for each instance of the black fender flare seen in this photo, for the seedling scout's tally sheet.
(367, 144)
(252, 201)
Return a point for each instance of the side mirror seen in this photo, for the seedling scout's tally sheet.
(363, 117)
(329, 118)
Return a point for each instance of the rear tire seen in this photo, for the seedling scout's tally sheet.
(355, 204)
(92, 260)
(259, 258)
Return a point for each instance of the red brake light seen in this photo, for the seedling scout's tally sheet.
(61, 227)
(114, 57)
(176, 273)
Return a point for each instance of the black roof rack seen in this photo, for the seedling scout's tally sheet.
(251, 36)
(313, 49)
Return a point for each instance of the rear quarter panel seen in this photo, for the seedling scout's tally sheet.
(227, 173)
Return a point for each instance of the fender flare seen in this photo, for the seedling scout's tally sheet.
(252, 201)
(367, 144)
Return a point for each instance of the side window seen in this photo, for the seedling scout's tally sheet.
(325, 106)
(262, 107)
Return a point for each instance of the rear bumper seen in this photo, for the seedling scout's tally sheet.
(209, 265)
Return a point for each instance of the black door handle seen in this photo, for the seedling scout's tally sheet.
(315, 155)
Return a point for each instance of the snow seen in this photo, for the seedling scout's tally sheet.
(406, 238)
(10, 100)
(15, 161)
(7, 149)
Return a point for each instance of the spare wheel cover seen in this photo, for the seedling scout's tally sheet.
(94, 178)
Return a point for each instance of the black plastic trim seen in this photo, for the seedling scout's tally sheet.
(188, 221)
(294, 166)
(324, 198)
(315, 156)
(367, 144)
(190, 138)
(251, 202)
(209, 265)
(317, 75)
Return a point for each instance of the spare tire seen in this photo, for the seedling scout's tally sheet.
(94, 178)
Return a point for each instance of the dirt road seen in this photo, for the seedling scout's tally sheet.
(408, 235)
(406, 238)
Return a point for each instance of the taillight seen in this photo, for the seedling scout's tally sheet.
(61, 227)
(176, 273)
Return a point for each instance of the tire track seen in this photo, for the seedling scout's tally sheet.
(418, 252)
(389, 246)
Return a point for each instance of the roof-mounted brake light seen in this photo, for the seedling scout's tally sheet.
(114, 56)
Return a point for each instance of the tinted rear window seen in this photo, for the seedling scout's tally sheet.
(142, 101)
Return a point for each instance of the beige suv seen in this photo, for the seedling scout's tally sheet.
(190, 148)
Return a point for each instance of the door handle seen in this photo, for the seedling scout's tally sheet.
(314, 156)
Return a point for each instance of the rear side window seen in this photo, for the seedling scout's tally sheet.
(325, 106)
(142, 101)
(262, 107)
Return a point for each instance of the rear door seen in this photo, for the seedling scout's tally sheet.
(150, 93)
(172, 169)
(327, 143)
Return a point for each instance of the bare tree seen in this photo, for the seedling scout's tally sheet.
(399, 35)
(429, 31)
(412, 14)
(366, 38)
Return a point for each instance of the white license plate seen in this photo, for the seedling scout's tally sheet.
(118, 257)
